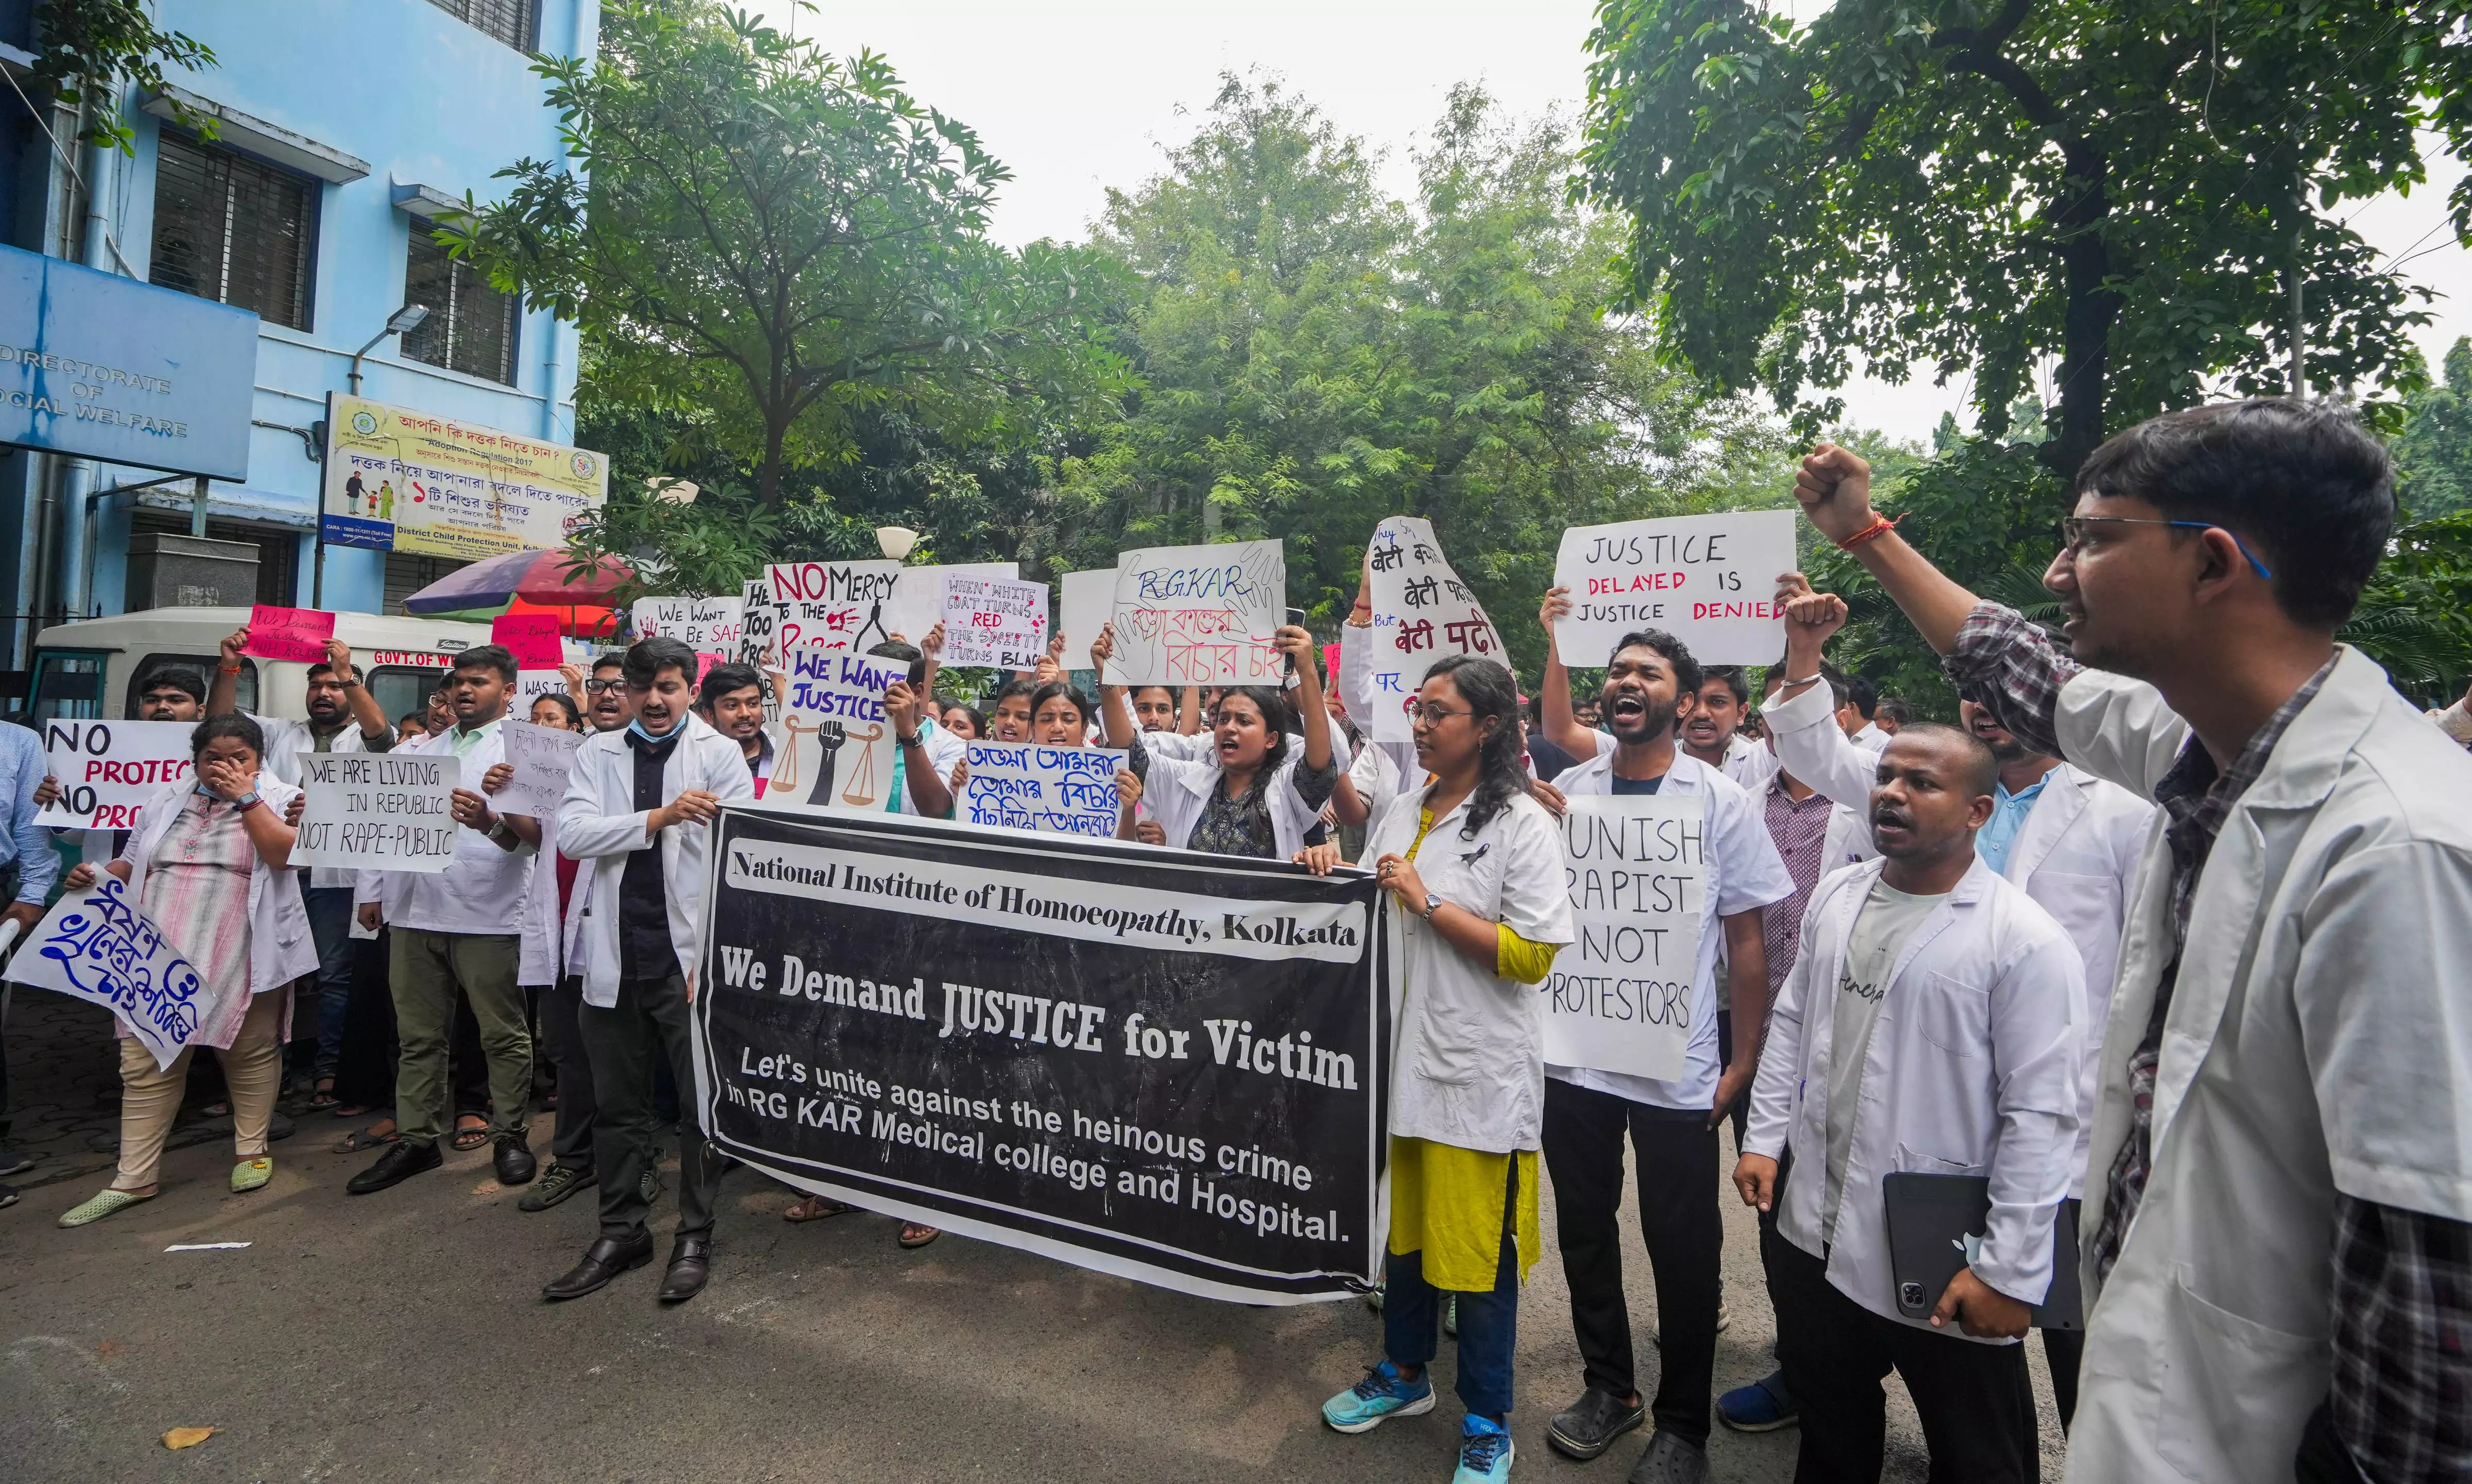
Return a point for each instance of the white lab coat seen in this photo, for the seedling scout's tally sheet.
(2077, 855)
(1177, 791)
(544, 937)
(486, 890)
(1972, 1069)
(280, 948)
(1469, 1059)
(2317, 1044)
(598, 825)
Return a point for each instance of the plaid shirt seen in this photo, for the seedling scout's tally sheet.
(1800, 831)
(2402, 1392)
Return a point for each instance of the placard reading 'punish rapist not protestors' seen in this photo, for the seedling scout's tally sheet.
(1166, 1067)
(1621, 998)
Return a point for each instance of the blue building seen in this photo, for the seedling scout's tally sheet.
(342, 129)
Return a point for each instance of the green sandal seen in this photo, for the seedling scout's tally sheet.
(250, 1174)
(106, 1203)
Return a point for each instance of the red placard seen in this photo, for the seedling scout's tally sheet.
(531, 637)
(295, 633)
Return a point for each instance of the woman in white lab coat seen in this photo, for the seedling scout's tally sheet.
(1475, 862)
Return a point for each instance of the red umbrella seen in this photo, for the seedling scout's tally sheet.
(551, 579)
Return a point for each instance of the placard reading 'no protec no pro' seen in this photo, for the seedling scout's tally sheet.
(107, 769)
(378, 811)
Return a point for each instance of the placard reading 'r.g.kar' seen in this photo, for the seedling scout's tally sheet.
(1164, 1069)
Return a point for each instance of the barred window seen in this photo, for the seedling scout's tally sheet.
(471, 326)
(510, 21)
(233, 229)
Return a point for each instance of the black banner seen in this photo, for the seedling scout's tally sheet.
(1155, 1064)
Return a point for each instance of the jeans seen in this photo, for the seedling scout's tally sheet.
(331, 928)
(1411, 1315)
(1678, 1217)
(571, 1144)
(650, 1025)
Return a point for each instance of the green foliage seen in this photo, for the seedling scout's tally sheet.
(769, 244)
(1975, 186)
(2416, 618)
(2432, 454)
(99, 45)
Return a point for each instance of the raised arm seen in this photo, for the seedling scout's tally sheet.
(1115, 711)
(1562, 726)
(1297, 645)
(1835, 488)
(905, 710)
(223, 692)
(377, 734)
(1802, 719)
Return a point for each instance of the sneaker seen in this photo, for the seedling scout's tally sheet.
(14, 1161)
(556, 1185)
(1378, 1398)
(1763, 1406)
(1486, 1453)
(1669, 1460)
(1451, 1316)
(1589, 1425)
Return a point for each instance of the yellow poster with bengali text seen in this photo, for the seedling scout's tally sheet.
(402, 480)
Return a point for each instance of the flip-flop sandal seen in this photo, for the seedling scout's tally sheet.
(324, 1102)
(815, 1208)
(359, 1139)
(471, 1138)
(353, 1110)
(914, 1242)
(215, 1111)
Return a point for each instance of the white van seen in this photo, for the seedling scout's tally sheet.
(91, 670)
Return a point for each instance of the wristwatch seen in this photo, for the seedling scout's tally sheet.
(499, 830)
(245, 803)
(1433, 904)
(907, 742)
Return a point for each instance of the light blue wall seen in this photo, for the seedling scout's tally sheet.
(425, 100)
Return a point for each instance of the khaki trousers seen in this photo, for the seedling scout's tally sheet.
(150, 1096)
(428, 969)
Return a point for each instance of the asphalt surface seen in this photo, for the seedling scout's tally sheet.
(401, 1336)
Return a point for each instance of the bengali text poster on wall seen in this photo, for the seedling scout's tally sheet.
(1166, 1071)
(1422, 613)
(1710, 581)
(397, 479)
(1621, 998)
(1201, 616)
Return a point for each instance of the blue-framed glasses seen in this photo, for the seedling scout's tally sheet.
(2072, 530)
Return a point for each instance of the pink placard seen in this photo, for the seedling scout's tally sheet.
(295, 633)
(705, 661)
(531, 637)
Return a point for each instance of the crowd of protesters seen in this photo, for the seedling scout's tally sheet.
(2161, 941)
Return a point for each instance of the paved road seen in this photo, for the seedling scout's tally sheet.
(400, 1336)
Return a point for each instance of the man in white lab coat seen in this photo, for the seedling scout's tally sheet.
(2278, 1215)
(1931, 1026)
(637, 814)
(2070, 839)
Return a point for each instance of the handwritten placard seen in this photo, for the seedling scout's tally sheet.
(107, 769)
(96, 945)
(1201, 616)
(378, 811)
(1422, 613)
(298, 635)
(542, 757)
(1710, 581)
(1084, 601)
(699, 623)
(532, 684)
(530, 637)
(1061, 790)
(759, 621)
(833, 747)
(991, 621)
(918, 594)
(1621, 998)
(839, 605)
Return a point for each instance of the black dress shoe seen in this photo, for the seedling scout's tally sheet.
(603, 1260)
(690, 1266)
(514, 1160)
(403, 1158)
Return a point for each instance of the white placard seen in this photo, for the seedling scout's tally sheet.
(378, 811)
(759, 621)
(532, 684)
(1201, 616)
(839, 605)
(96, 945)
(1084, 601)
(542, 757)
(107, 769)
(1621, 998)
(1421, 613)
(833, 747)
(1061, 790)
(704, 625)
(918, 594)
(992, 621)
(1710, 581)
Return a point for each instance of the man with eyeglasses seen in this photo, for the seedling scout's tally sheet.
(2277, 1231)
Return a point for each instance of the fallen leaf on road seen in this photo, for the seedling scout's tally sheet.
(188, 1437)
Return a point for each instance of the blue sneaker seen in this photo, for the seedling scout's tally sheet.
(1485, 1451)
(1763, 1406)
(1378, 1398)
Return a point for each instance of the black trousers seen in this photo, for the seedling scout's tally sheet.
(1677, 1216)
(1975, 1401)
(649, 1026)
(572, 1144)
(365, 1063)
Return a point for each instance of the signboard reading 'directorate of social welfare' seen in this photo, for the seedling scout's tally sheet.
(403, 479)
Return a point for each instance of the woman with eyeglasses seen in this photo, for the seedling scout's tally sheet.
(1474, 863)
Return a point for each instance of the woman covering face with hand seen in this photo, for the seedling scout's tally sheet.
(208, 862)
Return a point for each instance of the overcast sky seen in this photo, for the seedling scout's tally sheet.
(1079, 95)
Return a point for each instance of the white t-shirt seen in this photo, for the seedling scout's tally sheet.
(1889, 917)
